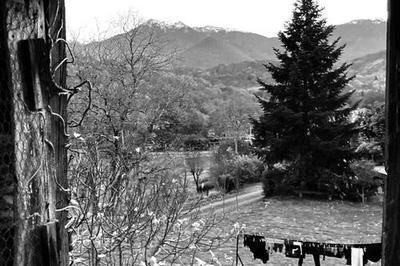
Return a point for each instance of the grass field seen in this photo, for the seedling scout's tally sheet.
(308, 220)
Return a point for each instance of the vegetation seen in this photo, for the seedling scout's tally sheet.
(196, 166)
(305, 121)
(276, 180)
(196, 143)
(365, 182)
(133, 210)
(233, 170)
(128, 206)
(372, 134)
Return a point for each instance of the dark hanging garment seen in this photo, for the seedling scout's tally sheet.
(313, 249)
(257, 247)
(373, 252)
(347, 255)
(316, 259)
(278, 247)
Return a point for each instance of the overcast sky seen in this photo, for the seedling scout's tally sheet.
(265, 17)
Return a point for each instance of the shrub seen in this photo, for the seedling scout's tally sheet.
(365, 181)
(360, 183)
(226, 182)
(242, 169)
(358, 186)
(247, 169)
(230, 168)
(277, 180)
(195, 143)
(220, 171)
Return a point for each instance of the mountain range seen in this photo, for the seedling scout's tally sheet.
(206, 47)
(229, 58)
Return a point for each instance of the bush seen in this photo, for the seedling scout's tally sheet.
(247, 169)
(365, 181)
(226, 182)
(358, 186)
(220, 171)
(243, 169)
(230, 168)
(195, 143)
(277, 180)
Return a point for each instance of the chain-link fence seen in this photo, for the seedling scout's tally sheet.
(21, 145)
(7, 178)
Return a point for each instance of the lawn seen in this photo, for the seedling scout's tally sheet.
(308, 220)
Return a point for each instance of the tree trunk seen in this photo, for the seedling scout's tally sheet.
(235, 140)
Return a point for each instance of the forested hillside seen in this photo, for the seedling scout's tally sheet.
(187, 78)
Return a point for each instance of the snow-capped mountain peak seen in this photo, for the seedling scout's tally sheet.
(210, 29)
(367, 21)
(167, 25)
(179, 25)
(182, 26)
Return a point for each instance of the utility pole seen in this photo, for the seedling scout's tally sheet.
(391, 209)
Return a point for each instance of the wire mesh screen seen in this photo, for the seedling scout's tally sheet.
(22, 142)
(7, 179)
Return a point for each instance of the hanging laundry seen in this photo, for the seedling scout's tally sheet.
(316, 259)
(294, 249)
(328, 250)
(278, 247)
(372, 252)
(357, 256)
(269, 247)
(257, 247)
(333, 250)
(314, 249)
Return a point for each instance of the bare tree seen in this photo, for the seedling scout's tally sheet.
(233, 117)
(195, 164)
(119, 68)
(150, 217)
(129, 208)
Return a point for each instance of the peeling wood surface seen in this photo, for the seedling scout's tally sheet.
(391, 212)
(32, 137)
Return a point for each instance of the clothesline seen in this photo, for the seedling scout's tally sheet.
(278, 239)
(355, 254)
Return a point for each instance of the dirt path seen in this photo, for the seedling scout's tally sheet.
(247, 196)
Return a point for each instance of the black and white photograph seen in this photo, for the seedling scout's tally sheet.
(199, 133)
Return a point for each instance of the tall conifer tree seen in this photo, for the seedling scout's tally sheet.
(305, 119)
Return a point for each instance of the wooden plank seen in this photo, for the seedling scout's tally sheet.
(391, 212)
(43, 242)
(55, 12)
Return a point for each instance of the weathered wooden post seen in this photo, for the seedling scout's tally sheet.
(391, 212)
(33, 182)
